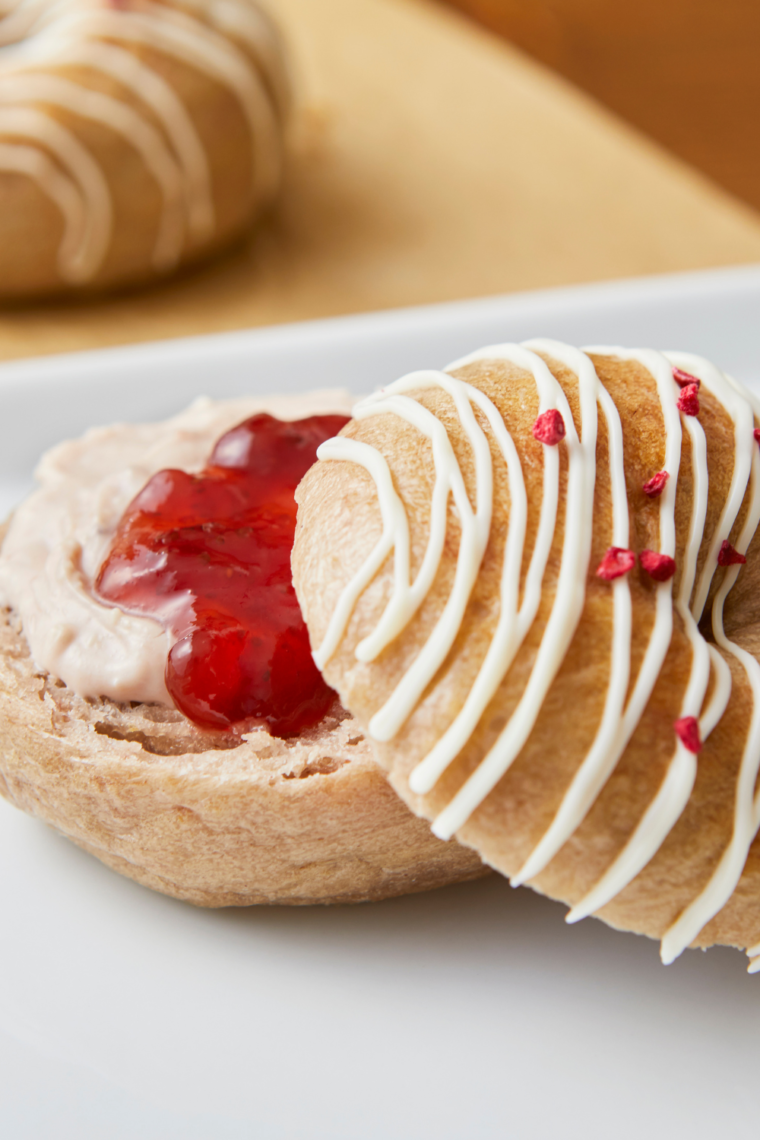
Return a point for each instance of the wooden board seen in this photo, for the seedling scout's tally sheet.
(684, 71)
(429, 161)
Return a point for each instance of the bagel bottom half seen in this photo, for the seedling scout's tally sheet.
(212, 818)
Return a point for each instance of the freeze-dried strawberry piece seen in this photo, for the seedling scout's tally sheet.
(683, 378)
(549, 427)
(656, 485)
(728, 555)
(616, 562)
(688, 400)
(687, 730)
(658, 566)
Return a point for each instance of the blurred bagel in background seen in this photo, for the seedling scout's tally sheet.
(135, 136)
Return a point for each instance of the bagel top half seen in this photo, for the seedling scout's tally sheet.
(540, 598)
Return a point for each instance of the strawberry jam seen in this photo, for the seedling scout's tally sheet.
(208, 556)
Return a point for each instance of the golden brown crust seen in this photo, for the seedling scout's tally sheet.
(340, 499)
(208, 818)
(31, 225)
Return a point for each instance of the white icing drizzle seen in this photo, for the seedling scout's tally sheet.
(607, 747)
(37, 166)
(193, 42)
(675, 790)
(25, 88)
(49, 34)
(80, 262)
(475, 530)
(252, 25)
(619, 718)
(568, 602)
(746, 463)
(160, 97)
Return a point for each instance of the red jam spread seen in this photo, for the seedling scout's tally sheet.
(208, 556)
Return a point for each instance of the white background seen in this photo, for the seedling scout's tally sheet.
(468, 1012)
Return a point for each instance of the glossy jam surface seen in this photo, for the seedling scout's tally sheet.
(208, 556)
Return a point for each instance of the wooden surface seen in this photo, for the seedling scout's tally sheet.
(429, 161)
(684, 71)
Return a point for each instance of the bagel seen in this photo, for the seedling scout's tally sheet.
(218, 818)
(540, 602)
(135, 136)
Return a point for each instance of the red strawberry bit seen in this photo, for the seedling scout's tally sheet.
(654, 487)
(683, 378)
(728, 555)
(688, 400)
(616, 562)
(658, 566)
(549, 427)
(756, 434)
(687, 730)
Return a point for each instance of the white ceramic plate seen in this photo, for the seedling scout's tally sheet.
(468, 1012)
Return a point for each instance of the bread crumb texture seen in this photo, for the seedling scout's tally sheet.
(212, 818)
